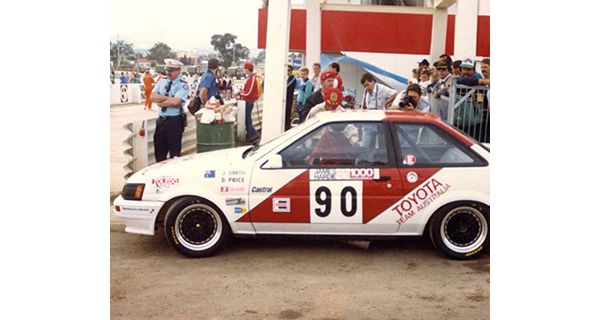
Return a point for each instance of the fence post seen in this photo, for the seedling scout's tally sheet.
(451, 105)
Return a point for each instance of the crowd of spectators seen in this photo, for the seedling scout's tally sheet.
(428, 83)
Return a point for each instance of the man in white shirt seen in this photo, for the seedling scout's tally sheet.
(377, 96)
(316, 77)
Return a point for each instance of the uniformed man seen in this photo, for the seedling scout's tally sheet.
(170, 93)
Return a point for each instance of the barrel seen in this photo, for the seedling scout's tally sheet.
(216, 136)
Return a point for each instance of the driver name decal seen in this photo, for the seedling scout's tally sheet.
(419, 199)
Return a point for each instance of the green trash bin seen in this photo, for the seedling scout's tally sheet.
(216, 136)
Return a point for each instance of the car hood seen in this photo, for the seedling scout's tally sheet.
(199, 163)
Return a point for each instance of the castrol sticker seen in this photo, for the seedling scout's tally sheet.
(344, 174)
(409, 160)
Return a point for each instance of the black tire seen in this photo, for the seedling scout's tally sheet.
(461, 230)
(196, 228)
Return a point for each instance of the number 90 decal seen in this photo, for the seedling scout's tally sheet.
(336, 202)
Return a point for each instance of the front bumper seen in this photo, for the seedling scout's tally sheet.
(139, 216)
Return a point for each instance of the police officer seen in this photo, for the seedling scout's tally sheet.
(170, 93)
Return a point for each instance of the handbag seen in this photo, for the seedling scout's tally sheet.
(196, 103)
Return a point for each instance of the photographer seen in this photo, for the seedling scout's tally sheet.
(411, 101)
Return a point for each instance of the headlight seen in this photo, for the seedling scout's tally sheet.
(133, 191)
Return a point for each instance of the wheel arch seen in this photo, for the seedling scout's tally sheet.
(160, 217)
(456, 197)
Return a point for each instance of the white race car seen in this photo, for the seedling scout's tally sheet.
(355, 174)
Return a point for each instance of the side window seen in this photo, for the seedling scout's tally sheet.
(421, 144)
(339, 144)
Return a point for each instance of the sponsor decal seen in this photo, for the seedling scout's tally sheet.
(419, 199)
(208, 174)
(165, 182)
(409, 160)
(234, 201)
(281, 205)
(240, 210)
(229, 189)
(261, 189)
(344, 174)
(148, 210)
(412, 177)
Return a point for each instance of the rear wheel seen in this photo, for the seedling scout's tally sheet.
(461, 230)
(195, 228)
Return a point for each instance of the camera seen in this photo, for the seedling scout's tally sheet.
(407, 100)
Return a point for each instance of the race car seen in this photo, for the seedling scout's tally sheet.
(354, 174)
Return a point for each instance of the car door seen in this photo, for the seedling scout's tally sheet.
(336, 179)
(430, 160)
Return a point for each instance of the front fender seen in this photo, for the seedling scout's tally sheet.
(216, 198)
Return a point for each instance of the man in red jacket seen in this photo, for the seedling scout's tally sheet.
(250, 94)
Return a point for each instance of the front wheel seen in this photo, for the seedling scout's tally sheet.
(461, 230)
(195, 228)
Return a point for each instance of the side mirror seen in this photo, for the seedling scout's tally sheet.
(274, 161)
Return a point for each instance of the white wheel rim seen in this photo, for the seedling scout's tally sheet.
(209, 230)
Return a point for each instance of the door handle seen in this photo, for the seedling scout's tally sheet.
(383, 178)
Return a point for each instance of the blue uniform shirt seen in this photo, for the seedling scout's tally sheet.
(179, 89)
(209, 81)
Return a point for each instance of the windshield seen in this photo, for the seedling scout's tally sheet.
(278, 140)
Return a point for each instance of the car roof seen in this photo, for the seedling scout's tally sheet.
(376, 115)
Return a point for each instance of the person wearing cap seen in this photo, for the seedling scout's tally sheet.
(250, 94)
(170, 93)
(332, 101)
(479, 130)
(470, 77)
(468, 71)
(377, 96)
(327, 79)
(148, 86)
(440, 87)
(338, 138)
(208, 83)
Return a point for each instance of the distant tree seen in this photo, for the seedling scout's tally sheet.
(206, 56)
(260, 58)
(160, 52)
(229, 51)
(119, 51)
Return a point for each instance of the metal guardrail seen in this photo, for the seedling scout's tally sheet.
(467, 108)
(140, 149)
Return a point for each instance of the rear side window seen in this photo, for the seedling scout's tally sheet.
(426, 145)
